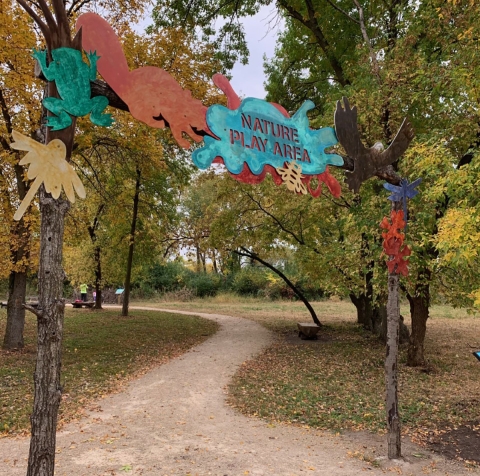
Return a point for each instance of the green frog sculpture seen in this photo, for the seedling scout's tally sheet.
(72, 77)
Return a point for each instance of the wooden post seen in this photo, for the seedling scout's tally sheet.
(391, 369)
(391, 362)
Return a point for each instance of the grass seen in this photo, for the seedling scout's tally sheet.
(101, 352)
(337, 382)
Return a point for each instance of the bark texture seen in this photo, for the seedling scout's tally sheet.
(364, 307)
(17, 283)
(13, 338)
(419, 311)
(50, 312)
(50, 316)
(92, 231)
(98, 278)
(391, 369)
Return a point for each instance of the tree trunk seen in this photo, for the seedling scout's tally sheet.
(51, 305)
(98, 278)
(254, 256)
(214, 262)
(126, 295)
(17, 286)
(363, 305)
(50, 317)
(198, 267)
(92, 231)
(391, 369)
(380, 326)
(419, 311)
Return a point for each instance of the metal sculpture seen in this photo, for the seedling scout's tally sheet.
(367, 161)
(47, 165)
(403, 192)
(393, 240)
(152, 95)
(257, 135)
(72, 78)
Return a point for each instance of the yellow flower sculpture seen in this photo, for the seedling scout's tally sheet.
(48, 165)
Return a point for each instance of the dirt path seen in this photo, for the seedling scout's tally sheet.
(174, 421)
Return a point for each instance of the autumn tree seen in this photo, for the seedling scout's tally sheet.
(392, 59)
(148, 171)
(17, 87)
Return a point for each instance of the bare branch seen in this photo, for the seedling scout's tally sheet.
(52, 25)
(298, 239)
(343, 12)
(61, 15)
(6, 114)
(43, 27)
(373, 56)
(76, 6)
(36, 312)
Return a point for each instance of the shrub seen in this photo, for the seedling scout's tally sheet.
(167, 277)
(204, 285)
(250, 281)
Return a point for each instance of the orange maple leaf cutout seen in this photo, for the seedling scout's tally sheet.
(393, 241)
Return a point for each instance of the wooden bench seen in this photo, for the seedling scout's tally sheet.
(307, 330)
(80, 304)
(28, 303)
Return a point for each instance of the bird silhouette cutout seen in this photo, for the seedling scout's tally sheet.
(367, 161)
(47, 165)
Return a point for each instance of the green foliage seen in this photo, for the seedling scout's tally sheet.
(204, 284)
(249, 281)
(169, 276)
(228, 40)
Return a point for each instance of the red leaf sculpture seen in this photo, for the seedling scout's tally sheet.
(393, 243)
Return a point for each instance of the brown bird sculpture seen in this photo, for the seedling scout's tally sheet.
(367, 162)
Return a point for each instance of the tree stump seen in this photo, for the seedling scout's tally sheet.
(307, 330)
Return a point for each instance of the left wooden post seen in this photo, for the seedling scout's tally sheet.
(51, 305)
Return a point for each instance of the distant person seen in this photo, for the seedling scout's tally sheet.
(94, 294)
(83, 292)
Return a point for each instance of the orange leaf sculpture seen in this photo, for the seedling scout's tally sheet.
(152, 95)
(393, 243)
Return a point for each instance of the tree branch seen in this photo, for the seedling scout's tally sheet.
(275, 219)
(343, 12)
(43, 27)
(250, 254)
(373, 57)
(36, 312)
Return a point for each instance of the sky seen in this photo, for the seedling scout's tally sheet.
(247, 80)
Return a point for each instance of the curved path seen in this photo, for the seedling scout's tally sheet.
(174, 421)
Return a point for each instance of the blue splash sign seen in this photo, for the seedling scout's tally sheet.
(258, 134)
